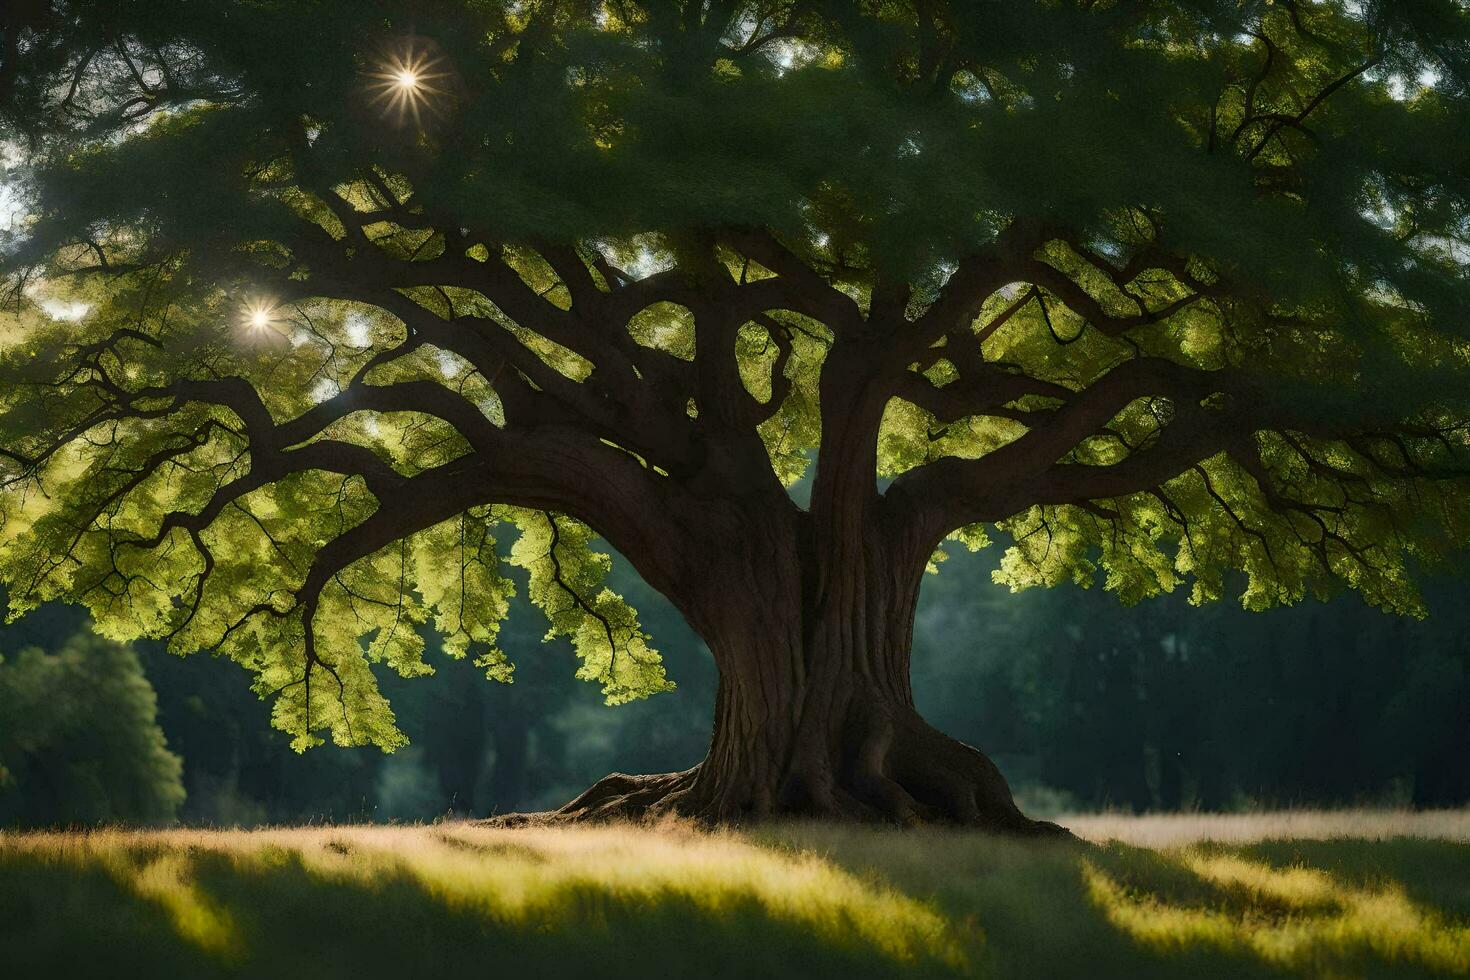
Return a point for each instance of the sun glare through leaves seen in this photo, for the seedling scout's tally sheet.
(406, 82)
(258, 316)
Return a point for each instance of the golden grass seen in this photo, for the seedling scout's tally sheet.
(1173, 829)
(1292, 917)
(581, 884)
(1365, 894)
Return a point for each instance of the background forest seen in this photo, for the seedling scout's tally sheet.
(1084, 703)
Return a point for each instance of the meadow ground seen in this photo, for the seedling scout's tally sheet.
(1352, 894)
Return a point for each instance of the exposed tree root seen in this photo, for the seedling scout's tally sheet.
(901, 772)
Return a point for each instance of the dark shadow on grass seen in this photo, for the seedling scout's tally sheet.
(1028, 902)
(288, 918)
(76, 919)
(1432, 873)
(339, 908)
(1074, 910)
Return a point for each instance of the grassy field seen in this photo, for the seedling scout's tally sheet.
(1357, 894)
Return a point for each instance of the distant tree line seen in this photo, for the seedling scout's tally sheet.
(477, 748)
(1084, 703)
(78, 742)
(1163, 707)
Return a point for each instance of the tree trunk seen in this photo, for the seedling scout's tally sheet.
(814, 715)
(511, 733)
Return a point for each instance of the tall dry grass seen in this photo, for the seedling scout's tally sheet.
(1174, 829)
(1315, 894)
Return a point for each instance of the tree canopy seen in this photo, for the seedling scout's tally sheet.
(312, 301)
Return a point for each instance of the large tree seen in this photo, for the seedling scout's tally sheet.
(312, 298)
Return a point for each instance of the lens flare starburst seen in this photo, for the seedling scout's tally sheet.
(408, 83)
(258, 316)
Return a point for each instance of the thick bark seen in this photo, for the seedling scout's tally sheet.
(814, 716)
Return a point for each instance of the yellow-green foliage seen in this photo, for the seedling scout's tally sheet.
(1363, 527)
(231, 588)
(566, 577)
(1220, 186)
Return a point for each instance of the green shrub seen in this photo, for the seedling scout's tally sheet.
(79, 739)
